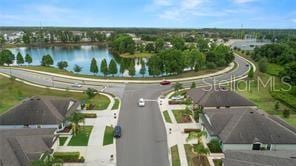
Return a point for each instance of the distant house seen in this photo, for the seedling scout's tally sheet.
(218, 97)
(246, 129)
(39, 112)
(260, 158)
(19, 147)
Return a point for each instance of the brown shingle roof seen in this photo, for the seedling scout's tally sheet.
(217, 97)
(246, 126)
(38, 111)
(20, 146)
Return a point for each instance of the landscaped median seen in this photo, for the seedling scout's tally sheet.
(175, 156)
(167, 117)
(116, 104)
(108, 135)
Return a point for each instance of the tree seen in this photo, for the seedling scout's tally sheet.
(6, 57)
(201, 150)
(46, 60)
(277, 106)
(93, 66)
(132, 70)
(77, 68)
(143, 68)
(75, 118)
(104, 67)
(286, 113)
(19, 59)
(177, 86)
(62, 65)
(123, 44)
(289, 73)
(193, 85)
(178, 43)
(262, 64)
(113, 67)
(251, 73)
(91, 92)
(159, 44)
(196, 135)
(149, 47)
(28, 59)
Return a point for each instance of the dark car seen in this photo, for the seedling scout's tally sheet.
(117, 132)
(165, 82)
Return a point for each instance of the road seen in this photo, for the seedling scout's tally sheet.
(143, 141)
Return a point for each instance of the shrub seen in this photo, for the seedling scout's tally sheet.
(187, 130)
(68, 156)
(214, 146)
(89, 115)
(286, 113)
(91, 92)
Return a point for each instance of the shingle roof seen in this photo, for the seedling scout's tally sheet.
(246, 126)
(20, 146)
(259, 158)
(217, 97)
(39, 110)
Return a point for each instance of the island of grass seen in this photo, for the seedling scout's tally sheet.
(116, 104)
(167, 117)
(82, 137)
(136, 55)
(108, 135)
(99, 102)
(175, 156)
(182, 116)
(12, 92)
(62, 140)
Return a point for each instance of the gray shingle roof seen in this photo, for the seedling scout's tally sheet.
(246, 126)
(38, 110)
(217, 97)
(20, 146)
(259, 158)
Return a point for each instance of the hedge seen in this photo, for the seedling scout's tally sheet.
(69, 156)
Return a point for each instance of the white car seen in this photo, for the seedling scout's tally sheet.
(141, 102)
(178, 97)
(77, 85)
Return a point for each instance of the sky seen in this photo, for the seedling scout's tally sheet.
(150, 13)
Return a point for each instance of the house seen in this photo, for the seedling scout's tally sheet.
(246, 129)
(39, 112)
(217, 97)
(259, 158)
(19, 147)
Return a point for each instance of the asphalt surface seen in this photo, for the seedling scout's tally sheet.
(143, 141)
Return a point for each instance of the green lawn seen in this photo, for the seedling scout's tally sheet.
(108, 135)
(218, 162)
(189, 154)
(136, 55)
(81, 139)
(101, 102)
(12, 92)
(175, 156)
(274, 69)
(62, 140)
(116, 104)
(182, 116)
(167, 117)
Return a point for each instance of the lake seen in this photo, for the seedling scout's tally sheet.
(80, 55)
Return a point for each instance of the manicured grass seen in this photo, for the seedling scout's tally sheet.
(108, 135)
(101, 102)
(175, 156)
(136, 55)
(116, 104)
(12, 92)
(167, 117)
(193, 159)
(62, 140)
(81, 139)
(182, 116)
(189, 154)
(214, 146)
(274, 69)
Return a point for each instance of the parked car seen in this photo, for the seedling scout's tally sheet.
(77, 85)
(165, 82)
(141, 102)
(179, 97)
(117, 132)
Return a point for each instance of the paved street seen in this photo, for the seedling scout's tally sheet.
(143, 139)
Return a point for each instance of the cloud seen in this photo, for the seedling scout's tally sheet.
(293, 20)
(243, 1)
(162, 2)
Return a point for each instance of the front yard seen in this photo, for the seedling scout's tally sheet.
(99, 102)
(81, 139)
(108, 135)
(182, 116)
(193, 159)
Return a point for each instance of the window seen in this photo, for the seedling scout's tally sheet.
(268, 147)
(256, 146)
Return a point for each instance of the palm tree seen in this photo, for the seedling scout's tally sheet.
(196, 135)
(201, 151)
(76, 118)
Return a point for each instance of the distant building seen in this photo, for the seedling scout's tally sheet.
(249, 43)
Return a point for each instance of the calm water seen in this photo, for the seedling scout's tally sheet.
(80, 55)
